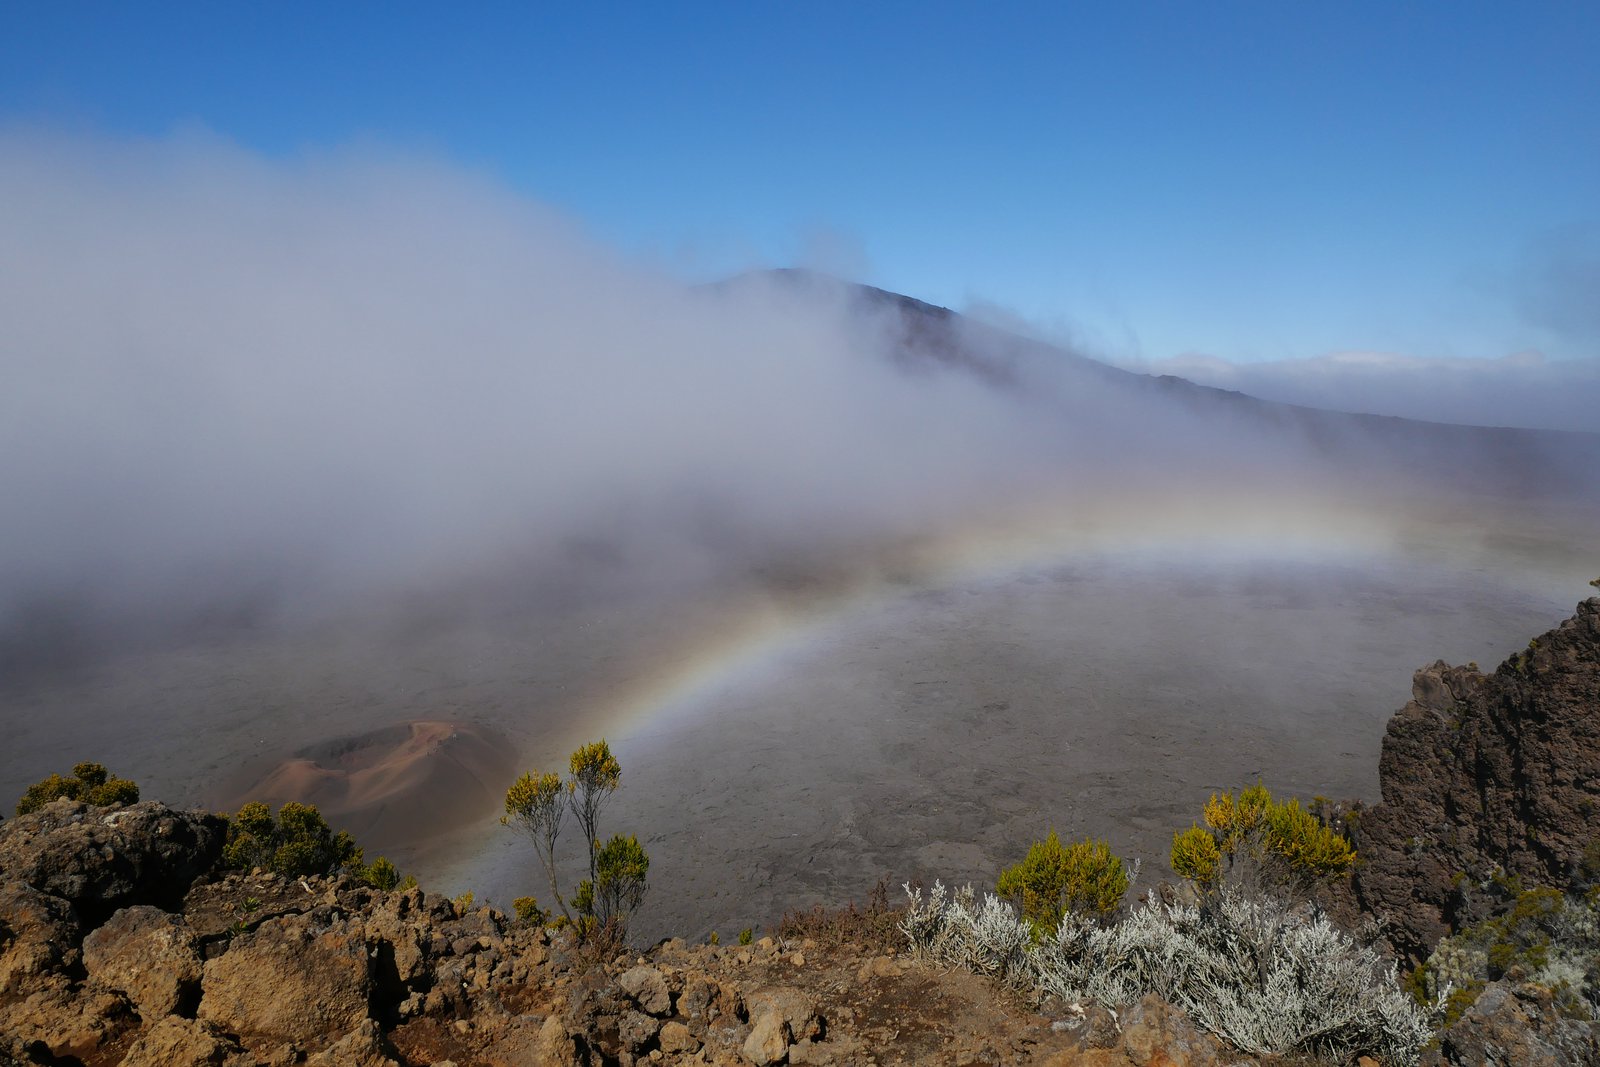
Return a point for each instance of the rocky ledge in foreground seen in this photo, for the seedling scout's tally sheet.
(116, 948)
(255, 968)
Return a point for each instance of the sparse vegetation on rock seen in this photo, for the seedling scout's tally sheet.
(247, 968)
(1541, 936)
(90, 783)
(1485, 775)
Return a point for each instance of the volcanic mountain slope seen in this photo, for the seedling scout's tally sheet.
(1504, 461)
(413, 780)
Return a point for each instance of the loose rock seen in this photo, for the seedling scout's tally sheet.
(149, 955)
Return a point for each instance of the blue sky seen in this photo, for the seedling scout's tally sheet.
(1244, 181)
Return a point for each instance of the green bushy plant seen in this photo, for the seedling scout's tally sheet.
(528, 911)
(383, 874)
(90, 783)
(1054, 879)
(621, 872)
(1196, 855)
(298, 843)
(1290, 841)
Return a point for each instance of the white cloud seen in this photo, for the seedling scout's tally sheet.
(364, 368)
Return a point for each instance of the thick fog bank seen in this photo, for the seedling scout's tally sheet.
(239, 382)
(241, 390)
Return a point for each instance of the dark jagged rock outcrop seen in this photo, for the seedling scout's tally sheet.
(1482, 775)
(102, 859)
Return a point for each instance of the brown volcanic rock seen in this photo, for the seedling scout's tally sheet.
(292, 979)
(336, 974)
(38, 935)
(1483, 773)
(179, 1042)
(100, 859)
(59, 1021)
(149, 955)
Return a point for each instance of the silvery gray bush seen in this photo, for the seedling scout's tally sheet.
(1265, 976)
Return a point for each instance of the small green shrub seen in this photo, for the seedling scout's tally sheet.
(1196, 855)
(297, 843)
(1308, 846)
(381, 874)
(621, 868)
(747, 935)
(528, 911)
(90, 783)
(1279, 835)
(1235, 819)
(1054, 879)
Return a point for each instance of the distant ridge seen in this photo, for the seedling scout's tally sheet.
(1507, 461)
